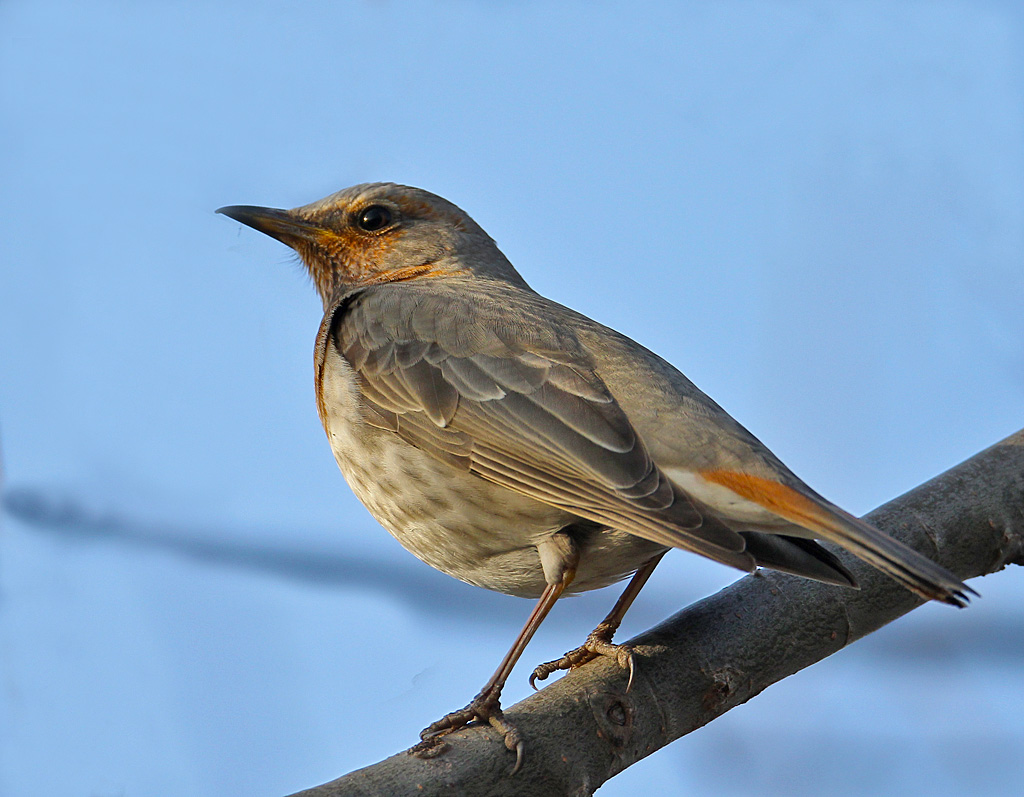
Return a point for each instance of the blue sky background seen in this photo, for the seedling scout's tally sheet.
(815, 210)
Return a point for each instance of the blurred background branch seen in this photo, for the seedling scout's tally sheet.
(719, 652)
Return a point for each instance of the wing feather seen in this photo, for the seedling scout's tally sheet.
(515, 399)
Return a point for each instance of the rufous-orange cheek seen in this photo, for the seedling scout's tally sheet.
(345, 257)
(350, 257)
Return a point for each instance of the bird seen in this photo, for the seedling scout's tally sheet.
(520, 446)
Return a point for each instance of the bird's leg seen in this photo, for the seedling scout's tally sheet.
(559, 558)
(599, 642)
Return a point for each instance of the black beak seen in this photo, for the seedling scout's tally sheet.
(284, 225)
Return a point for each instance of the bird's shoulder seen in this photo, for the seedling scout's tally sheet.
(465, 317)
(437, 347)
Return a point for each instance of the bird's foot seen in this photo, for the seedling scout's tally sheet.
(485, 708)
(599, 643)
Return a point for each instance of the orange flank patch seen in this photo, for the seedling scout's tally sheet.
(778, 498)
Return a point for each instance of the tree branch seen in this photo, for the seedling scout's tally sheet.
(719, 652)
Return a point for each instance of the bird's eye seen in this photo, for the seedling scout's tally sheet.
(374, 218)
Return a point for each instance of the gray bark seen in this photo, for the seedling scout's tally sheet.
(718, 653)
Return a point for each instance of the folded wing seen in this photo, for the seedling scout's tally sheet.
(515, 401)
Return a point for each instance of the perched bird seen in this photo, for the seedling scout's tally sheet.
(515, 444)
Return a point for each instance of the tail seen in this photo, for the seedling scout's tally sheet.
(917, 573)
(808, 510)
(799, 556)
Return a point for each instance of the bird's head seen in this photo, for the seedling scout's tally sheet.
(378, 233)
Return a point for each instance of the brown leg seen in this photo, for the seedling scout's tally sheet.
(599, 642)
(486, 706)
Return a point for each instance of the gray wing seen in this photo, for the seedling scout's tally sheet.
(513, 398)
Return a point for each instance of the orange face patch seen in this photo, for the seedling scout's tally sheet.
(344, 256)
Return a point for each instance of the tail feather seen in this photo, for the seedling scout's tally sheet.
(799, 556)
(916, 572)
(805, 508)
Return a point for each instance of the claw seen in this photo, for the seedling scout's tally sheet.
(447, 724)
(599, 643)
(513, 741)
(542, 671)
(485, 708)
(631, 663)
(519, 757)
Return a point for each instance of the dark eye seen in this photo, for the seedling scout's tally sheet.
(373, 218)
